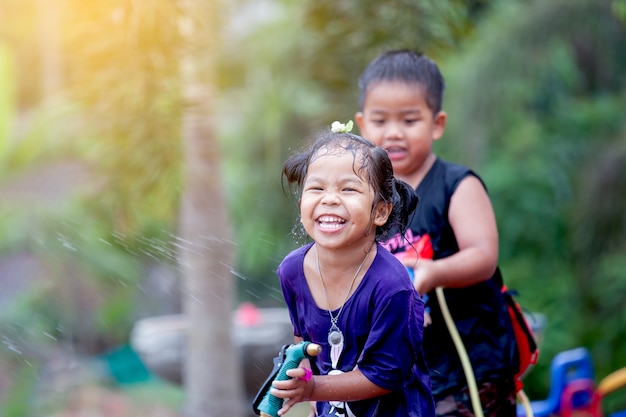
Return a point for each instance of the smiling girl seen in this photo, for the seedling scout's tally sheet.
(348, 294)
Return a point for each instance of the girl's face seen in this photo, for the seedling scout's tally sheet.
(397, 118)
(336, 203)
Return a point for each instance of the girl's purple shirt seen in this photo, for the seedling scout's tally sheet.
(382, 324)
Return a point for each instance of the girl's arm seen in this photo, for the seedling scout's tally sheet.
(348, 386)
(473, 221)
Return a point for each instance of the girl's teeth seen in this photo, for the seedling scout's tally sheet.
(328, 222)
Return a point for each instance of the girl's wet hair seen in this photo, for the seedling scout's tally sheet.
(375, 168)
(408, 67)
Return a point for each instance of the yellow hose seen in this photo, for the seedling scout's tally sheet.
(525, 402)
(465, 362)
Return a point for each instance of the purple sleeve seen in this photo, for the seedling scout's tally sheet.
(395, 334)
(284, 272)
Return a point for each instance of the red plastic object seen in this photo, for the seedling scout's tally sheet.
(579, 398)
(247, 315)
(425, 247)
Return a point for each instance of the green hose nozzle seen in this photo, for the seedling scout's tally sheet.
(294, 354)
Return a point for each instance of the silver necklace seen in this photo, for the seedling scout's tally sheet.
(335, 336)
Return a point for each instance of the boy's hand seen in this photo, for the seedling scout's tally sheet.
(418, 279)
(427, 319)
(422, 275)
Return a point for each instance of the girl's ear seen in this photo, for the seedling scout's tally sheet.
(381, 213)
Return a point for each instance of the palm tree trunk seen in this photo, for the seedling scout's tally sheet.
(211, 373)
(49, 14)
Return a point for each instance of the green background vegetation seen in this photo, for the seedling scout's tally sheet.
(536, 97)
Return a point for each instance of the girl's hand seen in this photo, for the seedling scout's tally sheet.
(297, 389)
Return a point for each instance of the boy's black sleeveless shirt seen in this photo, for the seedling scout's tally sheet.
(479, 311)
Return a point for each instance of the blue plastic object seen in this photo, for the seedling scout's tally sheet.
(566, 366)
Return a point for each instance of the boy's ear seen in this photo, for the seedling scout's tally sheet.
(358, 118)
(441, 119)
(381, 213)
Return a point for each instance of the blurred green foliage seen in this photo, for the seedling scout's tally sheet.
(16, 399)
(540, 108)
(535, 94)
(89, 182)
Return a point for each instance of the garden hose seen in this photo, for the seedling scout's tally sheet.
(465, 362)
(467, 366)
(525, 402)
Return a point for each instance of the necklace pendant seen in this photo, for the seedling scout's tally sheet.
(335, 340)
(335, 336)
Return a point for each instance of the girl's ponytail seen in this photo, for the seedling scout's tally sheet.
(407, 201)
(404, 202)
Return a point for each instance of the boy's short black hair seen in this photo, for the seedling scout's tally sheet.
(406, 66)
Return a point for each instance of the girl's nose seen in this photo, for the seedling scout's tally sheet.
(330, 197)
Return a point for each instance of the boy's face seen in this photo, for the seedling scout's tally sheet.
(397, 118)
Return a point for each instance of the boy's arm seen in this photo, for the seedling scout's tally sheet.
(474, 224)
